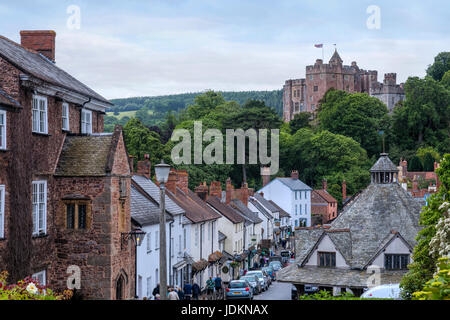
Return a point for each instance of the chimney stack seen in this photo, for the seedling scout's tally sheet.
(294, 174)
(215, 189)
(229, 191)
(144, 168)
(202, 191)
(42, 41)
(344, 191)
(324, 184)
(183, 180)
(265, 173)
(171, 183)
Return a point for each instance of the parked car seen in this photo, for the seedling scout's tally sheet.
(269, 270)
(239, 289)
(276, 265)
(253, 280)
(262, 280)
(294, 293)
(267, 277)
(385, 291)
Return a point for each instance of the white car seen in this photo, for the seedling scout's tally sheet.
(385, 291)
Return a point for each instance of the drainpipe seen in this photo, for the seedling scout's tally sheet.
(170, 253)
(201, 249)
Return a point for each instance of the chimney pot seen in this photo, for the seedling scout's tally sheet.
(294, 174)
(324, 184)
(41, 41)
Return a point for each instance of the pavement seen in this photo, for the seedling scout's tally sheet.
(277, 291)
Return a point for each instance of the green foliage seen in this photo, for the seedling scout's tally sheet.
(446, 80)
(28, 289)
(301, 120)
(440, 66)
(437, 288)
(424, 116)
(428, 162)
(414, 164)
(327, 295)
(422, 152)
(357, 116)
(424, 263)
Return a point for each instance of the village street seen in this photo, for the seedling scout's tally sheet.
(277, 291)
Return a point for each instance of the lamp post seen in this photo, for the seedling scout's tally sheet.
(162, 175)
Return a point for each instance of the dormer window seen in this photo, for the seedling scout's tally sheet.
(39, 109)
(327, 259)
(86, 121)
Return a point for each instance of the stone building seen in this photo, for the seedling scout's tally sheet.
(303, 95)
(64, 185)
(376, 231)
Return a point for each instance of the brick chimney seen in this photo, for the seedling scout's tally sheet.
(294, 174)
(344, 191)
(265, 173)
(144, 168)
(42, 41)
(171, 183)
(244, 194)
(324, 184)
(215, 189)
(229, 191)
(202, 191)
(183, 180)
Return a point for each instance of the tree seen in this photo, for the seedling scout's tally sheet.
(301, 120)
(204, 104)
(357, 116)
(424, 262)
(428, 162)
(440, 66)
(446, 80)
(424, 116)
(414, 164)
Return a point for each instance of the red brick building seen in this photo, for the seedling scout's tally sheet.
(64, 185)
(323, 205)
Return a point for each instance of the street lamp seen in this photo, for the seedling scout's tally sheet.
(137, 235)
(162, 175)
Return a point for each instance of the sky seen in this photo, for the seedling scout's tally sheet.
(158, 47)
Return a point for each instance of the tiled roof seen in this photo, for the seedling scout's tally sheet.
(245, 211)
(195, 208)
(42, 68)
(221, 236)
(7, 100)
(384, 164)
(283, 214)
(226, 210)
(260, 208)
(144, 210)
(85, 156)
(325, 196)
(154, 192)
(294, 184)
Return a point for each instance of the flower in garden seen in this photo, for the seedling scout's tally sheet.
(31, 288)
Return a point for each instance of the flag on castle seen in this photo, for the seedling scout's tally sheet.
(319, 45)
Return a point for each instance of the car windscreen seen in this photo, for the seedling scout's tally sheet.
(258, 274)
(240, 284)
(249, 279)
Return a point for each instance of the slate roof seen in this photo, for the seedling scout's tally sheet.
(294, 184)
(196, 210)
(144, 210)
(324, 195)
(366, 225)
(221, 236)
(260, 208)
(336, 57)
(40, 67)
(283, 214)
(7, 100)
(245, 211)
(267, 205)
(226, 210)
(154, 192)
(334, 276)
(384, 164)
(85, 156)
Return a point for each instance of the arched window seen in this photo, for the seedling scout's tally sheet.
(120, 287)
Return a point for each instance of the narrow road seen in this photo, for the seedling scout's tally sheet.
(277, 291)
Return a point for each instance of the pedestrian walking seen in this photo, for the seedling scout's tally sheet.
(187, 291)
(209, 288)
(218, 286)
(173, 295)
(180, 293)
(195, 291)
(156, 291)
